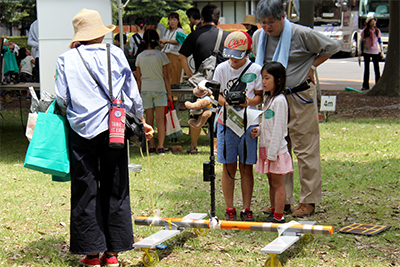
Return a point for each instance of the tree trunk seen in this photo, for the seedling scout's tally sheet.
(389, 83)
(307, 13)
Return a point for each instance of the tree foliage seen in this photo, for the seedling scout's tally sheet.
(18, 14)
(154, 10)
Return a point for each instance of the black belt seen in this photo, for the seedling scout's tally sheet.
(301, 87)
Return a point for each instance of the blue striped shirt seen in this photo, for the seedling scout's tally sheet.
(87, 105)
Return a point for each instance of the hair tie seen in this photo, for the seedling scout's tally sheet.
(141, 24)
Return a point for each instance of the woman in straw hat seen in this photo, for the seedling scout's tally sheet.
(371, 47)
(251, 26)
(100, 204)
(250, 23)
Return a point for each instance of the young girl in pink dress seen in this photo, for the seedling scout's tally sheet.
(274, 158)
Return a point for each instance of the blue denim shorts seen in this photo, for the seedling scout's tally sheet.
(152, 99)
(235, 146)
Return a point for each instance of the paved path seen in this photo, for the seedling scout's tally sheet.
(338, 73)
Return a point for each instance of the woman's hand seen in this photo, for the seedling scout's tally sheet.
(148, 130)
(254, 132)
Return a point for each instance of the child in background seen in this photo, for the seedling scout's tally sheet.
(274, 158)
(134, 43)
(26, 65)
(117, 43)
(26, 68)
(10, 68)
(10, 52)
(154, 86)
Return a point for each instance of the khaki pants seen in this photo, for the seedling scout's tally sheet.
(303, 140)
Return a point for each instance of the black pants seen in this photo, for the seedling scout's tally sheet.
(367, 60)
(35, 71)
(25, 77)
(100, 204)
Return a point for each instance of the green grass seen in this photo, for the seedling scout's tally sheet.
(360, 162)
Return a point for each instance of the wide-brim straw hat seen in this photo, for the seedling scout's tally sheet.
(249, 19)
(88, 25)
(369, 19)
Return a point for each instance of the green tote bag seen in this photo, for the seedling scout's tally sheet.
(48, 150)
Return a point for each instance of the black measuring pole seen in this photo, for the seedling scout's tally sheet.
(209, 166)
(212, 164)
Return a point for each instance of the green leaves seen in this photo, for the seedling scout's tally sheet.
(17, 14)
(154, 10)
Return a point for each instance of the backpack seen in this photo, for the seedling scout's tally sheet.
(207, 67)
(132, 60)
(138, 39)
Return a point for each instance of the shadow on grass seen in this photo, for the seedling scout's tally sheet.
(48, 251)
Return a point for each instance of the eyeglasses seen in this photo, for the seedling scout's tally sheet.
(268, 23)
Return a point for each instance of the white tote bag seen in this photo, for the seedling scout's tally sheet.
(172, 126)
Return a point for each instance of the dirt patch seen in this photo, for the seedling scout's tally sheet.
(348, 105)
(359, 105)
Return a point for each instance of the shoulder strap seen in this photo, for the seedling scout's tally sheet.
(109, 71)
(218, 42)
(243, 72)
(137, 38)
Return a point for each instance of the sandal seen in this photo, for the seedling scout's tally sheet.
(192, 150)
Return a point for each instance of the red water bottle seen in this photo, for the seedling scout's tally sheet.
(116, 124)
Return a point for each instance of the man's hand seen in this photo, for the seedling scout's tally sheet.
(310, 75)
(317, 61)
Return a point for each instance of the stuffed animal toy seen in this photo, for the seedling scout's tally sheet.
(203, 106)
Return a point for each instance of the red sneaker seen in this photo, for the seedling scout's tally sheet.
(92, 262)
(230, 214)
(109, 262)
(247, 215)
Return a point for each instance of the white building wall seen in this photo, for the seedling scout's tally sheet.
(56, 31)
